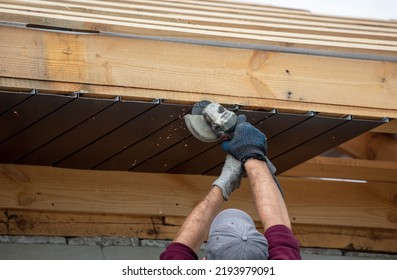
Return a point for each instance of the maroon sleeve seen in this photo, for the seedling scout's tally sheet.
(178, 251)
(282, 243)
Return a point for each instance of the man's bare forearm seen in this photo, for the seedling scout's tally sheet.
(197, 224)
(268, 199)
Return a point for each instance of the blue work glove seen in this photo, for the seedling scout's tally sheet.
(247, 142)
(230, 177)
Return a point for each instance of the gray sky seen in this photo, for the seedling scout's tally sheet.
(371, 9)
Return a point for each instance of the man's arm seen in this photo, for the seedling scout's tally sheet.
(196, 227)
(197, 224)
(269, 202)
(249, 145)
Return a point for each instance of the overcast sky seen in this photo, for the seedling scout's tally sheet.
(371, 9)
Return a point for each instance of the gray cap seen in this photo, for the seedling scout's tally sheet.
(233, 236)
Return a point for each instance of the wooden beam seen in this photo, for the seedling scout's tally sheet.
(49, 223)
(104, 91)
(250, 77)
(29, 222)
(346, 238)
(389, 127)
(346, 168)
(372, 146)
(309, 201)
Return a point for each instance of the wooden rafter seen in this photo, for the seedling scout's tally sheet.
(372, 146)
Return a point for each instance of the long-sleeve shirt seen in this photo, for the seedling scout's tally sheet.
(281, 241)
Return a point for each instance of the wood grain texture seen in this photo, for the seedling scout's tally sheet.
(372, 146)
(68, 224)
(346, 168)
(309, 201)
(346, 238)
(234, 74)
(119, 16)
(47, 223)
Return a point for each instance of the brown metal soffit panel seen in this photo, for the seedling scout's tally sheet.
(111, 134)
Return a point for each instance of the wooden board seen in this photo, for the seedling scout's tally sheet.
(243, 76)
(372, 146)
(346, 168)
(199, 21)
(49, 223)
(346, 238)
(27, 222)
(309, 201)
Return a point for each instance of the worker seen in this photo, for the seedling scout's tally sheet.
(231, 233)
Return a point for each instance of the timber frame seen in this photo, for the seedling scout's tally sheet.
(258, 58)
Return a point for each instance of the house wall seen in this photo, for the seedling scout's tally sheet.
(120, 248)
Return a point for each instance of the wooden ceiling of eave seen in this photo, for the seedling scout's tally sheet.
(210, 20)
(111, 134)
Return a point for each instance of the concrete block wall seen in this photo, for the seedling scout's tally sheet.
(124, 248)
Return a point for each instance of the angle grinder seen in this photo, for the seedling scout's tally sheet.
(210, 121)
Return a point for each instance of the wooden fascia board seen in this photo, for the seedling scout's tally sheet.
(242, 76)
(309, 201)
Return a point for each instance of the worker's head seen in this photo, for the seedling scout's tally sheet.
(233, 236)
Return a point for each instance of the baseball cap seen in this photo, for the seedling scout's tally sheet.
(233, 236)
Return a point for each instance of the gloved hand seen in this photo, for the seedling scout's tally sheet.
(230, 177)
(247, 142)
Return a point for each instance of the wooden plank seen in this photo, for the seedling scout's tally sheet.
(372, 146)
(28, 222)
(309, 201)
(86, 23)
(211, 27)
(346, 238)
(243, 73)
(285, 10)
(92, 11)
(306, 17)
(346, 168)
(390, 127)
(16, 84)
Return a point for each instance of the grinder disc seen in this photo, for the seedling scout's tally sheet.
(197, 124)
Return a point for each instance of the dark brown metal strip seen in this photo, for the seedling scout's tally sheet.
(87, 132)
(148, 147)
(301, 133)
(214, 155)
(280, 122)
(173, 156)
(50, 127)
(30, 111)
(125, 136)
(10, 99)
(323, 143)
(272, 126)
